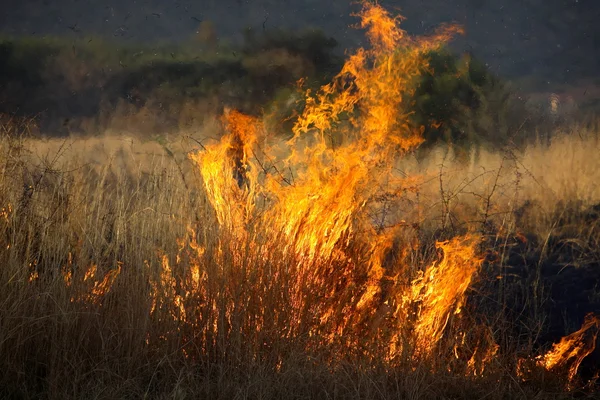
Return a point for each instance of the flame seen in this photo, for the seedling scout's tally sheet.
(90, 288)
(90, 273)
(315, 196)
(165, 291)
(316, 204)
(483, 353)
(480, 359)
(5, 213)
(103, 286)
(304, 219)
(439, 291)
(34, 276)
(572, 349)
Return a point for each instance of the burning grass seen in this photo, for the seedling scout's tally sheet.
(204, 311)
(330, 264)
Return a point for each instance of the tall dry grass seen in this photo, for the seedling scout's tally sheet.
(494, 186)
(121, 204)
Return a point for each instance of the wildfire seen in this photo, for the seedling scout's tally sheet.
(572, 349)
(90, 287)
(315, 196)
(305, 251)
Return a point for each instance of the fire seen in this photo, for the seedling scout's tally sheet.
(316, 192)
(5, 213)
(230, 198)
(439, 292)
(315, 196)
(572, 349)
(90, 287)
(305, 250)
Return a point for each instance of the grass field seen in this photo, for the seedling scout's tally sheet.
(336, 262)
(99, 298)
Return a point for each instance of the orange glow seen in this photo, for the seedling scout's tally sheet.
(90, 288)
(302, 246)
(314, 196)
(572, 349)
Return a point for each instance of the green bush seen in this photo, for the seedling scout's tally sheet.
(460, 102)
(64, 79)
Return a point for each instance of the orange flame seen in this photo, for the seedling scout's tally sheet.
(439, 292)
(572, 349)
(90, 288)
(314, 195)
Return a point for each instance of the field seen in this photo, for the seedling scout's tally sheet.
(348, 258)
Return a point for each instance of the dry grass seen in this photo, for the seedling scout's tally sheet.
(121, 204)
(493, 186)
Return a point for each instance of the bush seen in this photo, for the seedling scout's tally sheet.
(460, 102)
(72, 82)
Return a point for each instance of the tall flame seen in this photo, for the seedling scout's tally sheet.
(439, 291)
(315, 195)
(296, 229)
(321, 196)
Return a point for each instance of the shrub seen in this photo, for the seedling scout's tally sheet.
(460, 102)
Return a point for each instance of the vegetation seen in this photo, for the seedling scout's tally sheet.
(311, 241)
(461, 102)
(70, 84)
(92, 85)
(117, 204)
